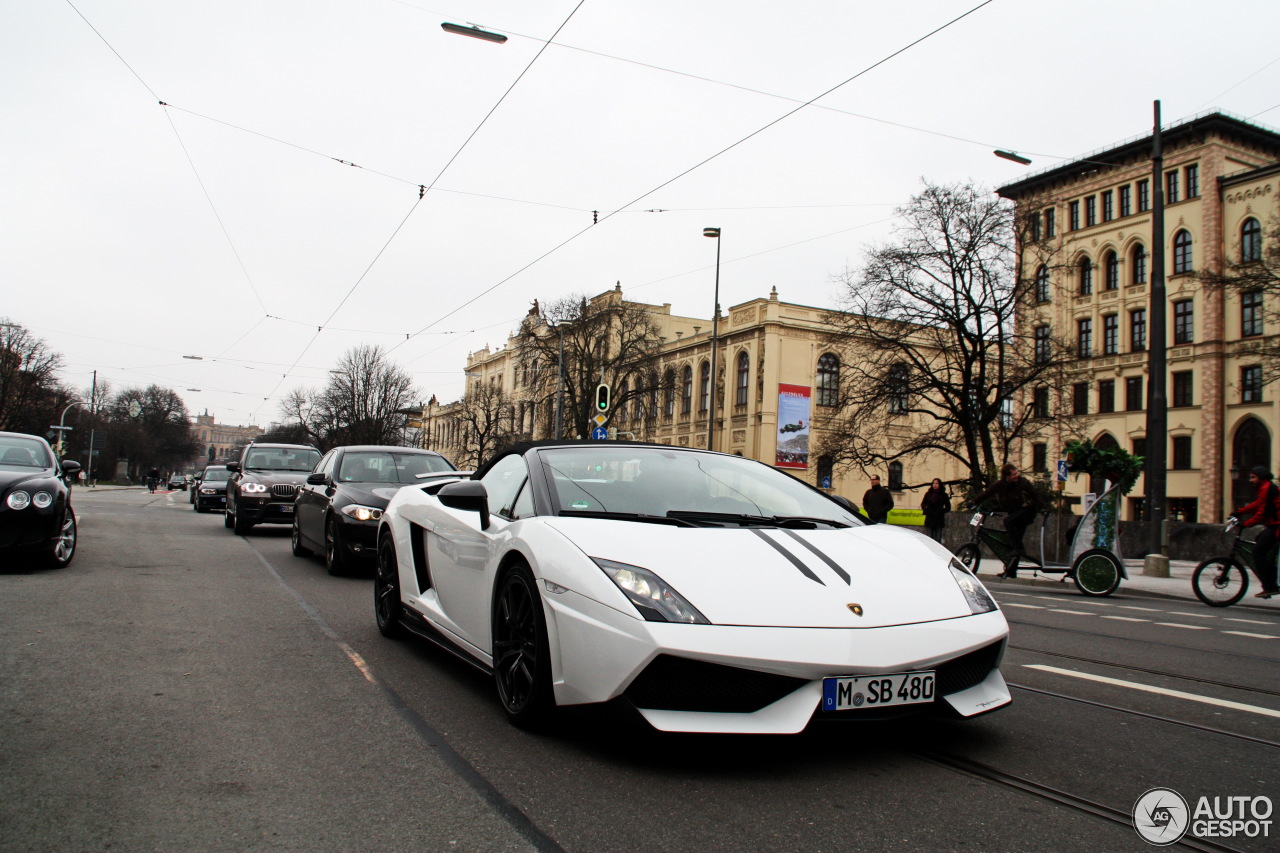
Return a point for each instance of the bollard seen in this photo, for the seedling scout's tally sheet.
(1157, 565)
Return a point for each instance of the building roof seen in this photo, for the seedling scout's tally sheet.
(1139, 147)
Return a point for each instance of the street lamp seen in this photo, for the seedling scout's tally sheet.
(715, 339)
(62, 428)
(1014, 156)
(474, 32)
(194, 357)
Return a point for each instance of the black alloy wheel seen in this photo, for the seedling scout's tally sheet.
(295, 539)
(228, 517)
(334, 558)
(387, 608)
(64, 547)
(241, 525)
(521, 654)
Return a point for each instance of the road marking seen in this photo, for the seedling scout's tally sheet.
(1027, 606)
(1126, 618)
(1147, 609)
(1196, 615)
(1163, 691)
(1257, 636)
(1180, 625)
(1072, 612)
(1250, 621)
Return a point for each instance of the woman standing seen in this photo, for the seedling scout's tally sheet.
(936, 505)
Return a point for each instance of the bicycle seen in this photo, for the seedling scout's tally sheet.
(1222, 581)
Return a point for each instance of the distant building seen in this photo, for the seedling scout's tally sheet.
(220, 442)
(1221, 183)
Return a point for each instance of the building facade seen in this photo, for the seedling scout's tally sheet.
(1088, 247)
(219, 442)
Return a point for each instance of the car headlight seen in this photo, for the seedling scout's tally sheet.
(252, 488)
(652, 596)
(204, 491)
(18, 500)
(42, 499)
(980, 601)
(361, 513)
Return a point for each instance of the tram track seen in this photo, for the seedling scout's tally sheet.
(1161, 643)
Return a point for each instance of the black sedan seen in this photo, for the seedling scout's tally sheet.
(209, 491)
(36, 518)
(178, 481)
(336, 511)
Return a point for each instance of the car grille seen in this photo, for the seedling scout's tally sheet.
(679, 684)
(968, 670)
(283, 490)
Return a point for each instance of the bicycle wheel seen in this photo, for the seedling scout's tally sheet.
(1220, 581)
(969, 556)
(1096, 572)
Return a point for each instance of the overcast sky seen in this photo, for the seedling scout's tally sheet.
(224, 225)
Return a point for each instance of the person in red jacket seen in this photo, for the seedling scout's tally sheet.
(1264, 510)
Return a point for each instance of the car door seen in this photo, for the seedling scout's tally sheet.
(313, 500)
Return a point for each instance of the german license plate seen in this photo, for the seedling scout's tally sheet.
(286, 508)
(976, 520)
(877, 691)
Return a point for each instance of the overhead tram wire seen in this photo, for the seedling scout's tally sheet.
(702, 163)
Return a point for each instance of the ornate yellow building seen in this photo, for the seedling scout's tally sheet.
(218, 442)
(1088, 225)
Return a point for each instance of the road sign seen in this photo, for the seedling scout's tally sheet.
(599, 433)
(1062, 470)
(600, 419)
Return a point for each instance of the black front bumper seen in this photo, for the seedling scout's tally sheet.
(256, 511)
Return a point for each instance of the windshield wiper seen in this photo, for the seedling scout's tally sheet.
(796, 521)
(628, 516)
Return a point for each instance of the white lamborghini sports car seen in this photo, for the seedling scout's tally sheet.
(710, 592)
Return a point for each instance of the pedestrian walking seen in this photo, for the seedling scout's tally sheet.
(936, 504)
(1016, 496)
(1264, 510)
(877, 501)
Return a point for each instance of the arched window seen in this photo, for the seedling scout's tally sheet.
(1138, 260)
(1042, 284)
(899, 387)
(1111, 271)
(895, 476)
(1251, 446)
(1250, 240)
(1182, 260)
(686, 391)
(828, 380)
(1086, 276)
(704, 387)
(740, 385)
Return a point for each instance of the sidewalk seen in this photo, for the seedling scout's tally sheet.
(1177, 585)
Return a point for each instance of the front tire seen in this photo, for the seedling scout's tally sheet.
(1220, 581)
(334, 560)
(387, 607)
(295, 541)
(1096, 572)
(241, 525)
(521, 653)
(229, 518)
(64, 547)
(970, 556)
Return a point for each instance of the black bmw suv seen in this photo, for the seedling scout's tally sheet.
(263, 484)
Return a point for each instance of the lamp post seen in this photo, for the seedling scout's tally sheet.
(62, 427)
(1156, 563)
(474, 32)
(715, 341)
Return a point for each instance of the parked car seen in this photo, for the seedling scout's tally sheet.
(36, 517)
(178, 481)
(337, 510)
(209, 491)
(710, 592)
(263, 484)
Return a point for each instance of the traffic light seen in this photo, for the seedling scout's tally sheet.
(602, 398)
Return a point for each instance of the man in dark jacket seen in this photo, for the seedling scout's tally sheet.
(1016, 496)
(1264, 510)
(877, 501)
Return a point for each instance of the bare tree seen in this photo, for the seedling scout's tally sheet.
(604, 340)
(929, 334)
(1254, 275)
(30, 394)
(361, 404)
(485, 423)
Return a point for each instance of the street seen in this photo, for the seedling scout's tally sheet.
(182, 688)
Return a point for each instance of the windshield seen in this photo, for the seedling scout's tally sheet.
(215, 475)
(282, 459)
(16, 452)
(389, 467)
(658, 481)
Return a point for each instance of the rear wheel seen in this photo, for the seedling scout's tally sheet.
(970, 556)
(1096, 572)
(295, 541)
(64, 547)
(1220, 582)
(387, 607)
(521, 654)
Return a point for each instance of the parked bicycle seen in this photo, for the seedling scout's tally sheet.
(1222, 581)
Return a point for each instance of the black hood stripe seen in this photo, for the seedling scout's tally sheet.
(832, 564)
(791, 558)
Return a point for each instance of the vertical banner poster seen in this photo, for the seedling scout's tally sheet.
(793, 426)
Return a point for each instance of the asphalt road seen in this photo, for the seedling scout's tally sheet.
(182, 688)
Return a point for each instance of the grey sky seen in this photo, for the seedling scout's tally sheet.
(223, 226)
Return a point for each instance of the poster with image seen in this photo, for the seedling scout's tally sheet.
(793, 426)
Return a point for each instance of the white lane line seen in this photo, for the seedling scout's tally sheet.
(1256, 636)
(1026, 606)
(1250, 621)
(1146, 609)
(1163, 691)
(1126, 618)
(1072, 612)
(1180, 625)
(1195, 615)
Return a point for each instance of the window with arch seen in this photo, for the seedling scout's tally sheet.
(899, 388)
(704, 387)
(1110, 271)
(1086, 276)
(1182, 258)
(1042, 284)
(741, 376)
(686, 391)
(825, 472)
(1138, 261)
(828, 379)
(1251, 240)
(895, 476)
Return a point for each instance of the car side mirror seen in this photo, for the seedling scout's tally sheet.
(70, 466)
(317, 479)
(234, 467)
(468, 495)
(844, 502)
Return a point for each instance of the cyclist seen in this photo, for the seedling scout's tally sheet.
(1016, 496)
(1264, 510)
